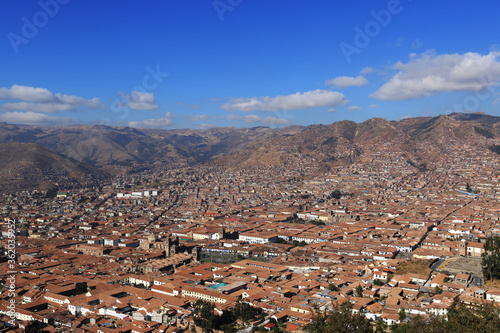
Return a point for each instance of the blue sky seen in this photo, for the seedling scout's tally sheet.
(202, 64)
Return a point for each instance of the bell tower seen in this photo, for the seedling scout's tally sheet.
(167, 247)
(195, 253)
(463, 247)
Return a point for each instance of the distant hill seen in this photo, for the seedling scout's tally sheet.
(421, 139)
(29, 166)
(477, 116)
(123, 149)
(115, 148)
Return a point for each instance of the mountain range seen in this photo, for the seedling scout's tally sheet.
(91, 152)
(29, 166)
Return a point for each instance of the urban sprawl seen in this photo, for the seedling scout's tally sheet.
(137, 254)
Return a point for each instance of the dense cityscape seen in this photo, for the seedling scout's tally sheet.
(136, 253)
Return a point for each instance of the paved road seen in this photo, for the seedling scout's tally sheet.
(436, 265)
(476, 280)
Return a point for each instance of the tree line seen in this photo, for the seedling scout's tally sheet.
(460, 318)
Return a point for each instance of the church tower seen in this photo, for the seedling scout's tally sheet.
(463, 247)
(167, 247)
(195, 252)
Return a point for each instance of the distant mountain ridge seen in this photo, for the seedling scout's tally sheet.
(114, 149)
(29, 166)
(345, 142)
(104, 146)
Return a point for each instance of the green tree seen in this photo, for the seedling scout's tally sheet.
(204, 315)
(33, 327)
(229, 328)
(333, 287)
(491, 258)
(402, 314)
(81, 288)
(418, 324)
(318, 223)
(359, 291)
(485, 318)
(205, 318)
(51, 193)
(340, 319)
(335, 195)
(438, 291)
(245, 311)
(380, 326)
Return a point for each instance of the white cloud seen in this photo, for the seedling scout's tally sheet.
(36, 107)
(206, 126)
(138, 100)
(273, 121)
(42, 100)
(34, 118)
(305, 100)
(166, 120)
(427, 74)
(252, 118)
(331, 110)
(366, 70)
(25, 93)
(347, 81)
(372, 106)
(277, 121)
(200, 117)
(354, 108)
